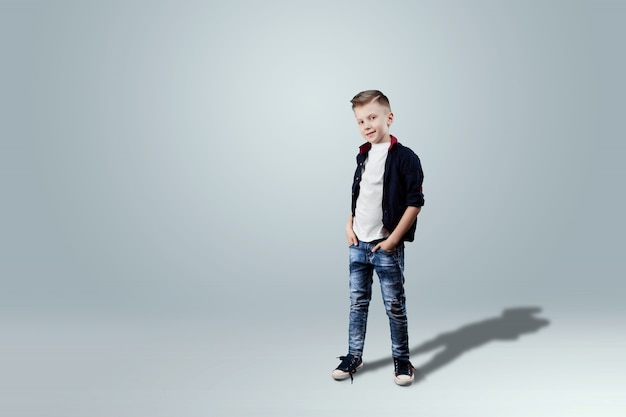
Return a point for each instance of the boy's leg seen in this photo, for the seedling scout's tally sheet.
(361, 273)
(389, 267)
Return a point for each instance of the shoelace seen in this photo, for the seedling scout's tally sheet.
(402, 370)
(351, 370)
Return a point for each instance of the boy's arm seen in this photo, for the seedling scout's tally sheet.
(406, 221)
(352, 239)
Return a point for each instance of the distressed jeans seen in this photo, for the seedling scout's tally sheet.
(389, 267)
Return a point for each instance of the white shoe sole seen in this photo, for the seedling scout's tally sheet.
(404, 380)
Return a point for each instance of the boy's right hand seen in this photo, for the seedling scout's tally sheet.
(352, 239)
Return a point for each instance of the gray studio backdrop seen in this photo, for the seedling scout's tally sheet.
(192, 160)
(170, 159)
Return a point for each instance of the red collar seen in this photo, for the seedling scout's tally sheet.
(367, 146)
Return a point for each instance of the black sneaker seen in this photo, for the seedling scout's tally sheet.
(349, 365)
(404, 371)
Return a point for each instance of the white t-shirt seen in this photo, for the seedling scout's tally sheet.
(368, 216)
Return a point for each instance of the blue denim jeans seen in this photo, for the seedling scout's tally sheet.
(389, 266)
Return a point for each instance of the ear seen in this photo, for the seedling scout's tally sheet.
(389, 119)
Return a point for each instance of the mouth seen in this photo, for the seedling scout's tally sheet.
(370, 134)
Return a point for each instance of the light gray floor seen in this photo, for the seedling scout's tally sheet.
(556, 367)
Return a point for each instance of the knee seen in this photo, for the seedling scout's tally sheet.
(360, 304)
(396, 309)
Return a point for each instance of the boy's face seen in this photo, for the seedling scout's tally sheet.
(374, 121)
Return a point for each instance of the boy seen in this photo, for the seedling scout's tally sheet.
(386, 198)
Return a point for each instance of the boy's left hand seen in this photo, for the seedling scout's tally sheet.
(386, 244)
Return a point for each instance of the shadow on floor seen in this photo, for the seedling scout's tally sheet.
(510, 325)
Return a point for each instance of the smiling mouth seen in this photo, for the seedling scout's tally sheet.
(370, 133)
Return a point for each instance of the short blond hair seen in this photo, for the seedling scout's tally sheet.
(368, 96)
